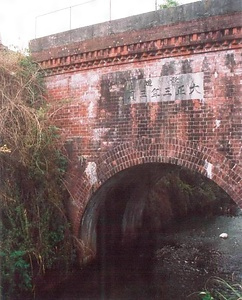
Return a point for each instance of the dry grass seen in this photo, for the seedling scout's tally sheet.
(21, 94)
(34, 223)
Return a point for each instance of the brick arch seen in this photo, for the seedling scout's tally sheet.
(182, 153)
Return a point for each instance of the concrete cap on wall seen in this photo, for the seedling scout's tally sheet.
(183, 13)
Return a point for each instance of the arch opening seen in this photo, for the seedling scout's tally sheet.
(132, 206)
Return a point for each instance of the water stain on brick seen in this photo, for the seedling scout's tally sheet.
(230, 87)
(192, 122)
(206, 65)
(230, 61)
(224, 145)
(186, 66)
(105, 92)
(168, 68)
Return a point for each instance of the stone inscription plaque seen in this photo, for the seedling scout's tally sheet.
(165, 88)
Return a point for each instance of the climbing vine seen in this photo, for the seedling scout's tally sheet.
(35, 231)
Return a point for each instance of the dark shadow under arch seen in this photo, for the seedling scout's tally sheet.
(138, 201)
(176, 152)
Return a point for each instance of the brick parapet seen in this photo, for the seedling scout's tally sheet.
(188, 13)
(210, 34)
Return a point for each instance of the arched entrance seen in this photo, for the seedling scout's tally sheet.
(136, 203)
(186, 154)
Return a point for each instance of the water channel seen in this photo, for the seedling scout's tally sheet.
(176, 263)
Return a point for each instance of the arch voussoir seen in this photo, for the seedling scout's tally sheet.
(172, 151)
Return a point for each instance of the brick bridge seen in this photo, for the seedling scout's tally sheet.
(142, 92)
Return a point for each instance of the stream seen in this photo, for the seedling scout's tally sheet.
(174, 264)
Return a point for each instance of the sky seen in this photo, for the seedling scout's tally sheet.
(23, 20)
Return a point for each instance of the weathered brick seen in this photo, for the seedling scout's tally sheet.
(91, 77)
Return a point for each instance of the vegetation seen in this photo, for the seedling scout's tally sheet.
(35, 234)
(219, 289)
(168, 3)
(190, 192)
(35, 231)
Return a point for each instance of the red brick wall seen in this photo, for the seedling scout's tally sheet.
(106, 135)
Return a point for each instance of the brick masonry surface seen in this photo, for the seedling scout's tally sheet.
(110, 93)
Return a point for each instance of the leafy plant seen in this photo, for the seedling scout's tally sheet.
(169, 3)
(35, 231)
(219, 289)
(206, 296)
(191, 192)
(16, 271)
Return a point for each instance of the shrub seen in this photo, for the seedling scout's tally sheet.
(34, 227)
(219, 289)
